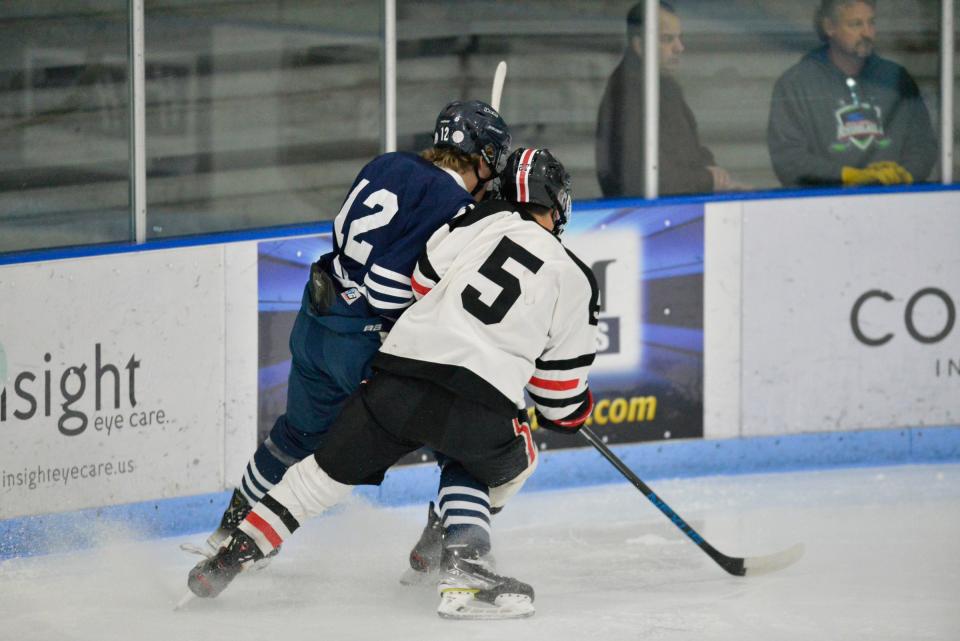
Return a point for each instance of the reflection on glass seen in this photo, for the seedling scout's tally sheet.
(685, 165)
(258, 114)
(559, 53)
(731, 56)
(63, 124)
(846, 115)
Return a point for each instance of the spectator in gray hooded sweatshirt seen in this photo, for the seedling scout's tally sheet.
(844, 115)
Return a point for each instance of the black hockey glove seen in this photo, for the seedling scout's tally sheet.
(572, 423)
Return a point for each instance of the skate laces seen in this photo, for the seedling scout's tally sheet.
(240, 550)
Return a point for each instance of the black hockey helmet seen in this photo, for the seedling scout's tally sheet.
(535, 176)
(474, 127)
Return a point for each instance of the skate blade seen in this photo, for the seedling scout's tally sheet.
(462, 604)
(413, 578)
(182, 603)
(200, 550)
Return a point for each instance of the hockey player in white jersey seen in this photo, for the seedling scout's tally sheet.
(502, 307)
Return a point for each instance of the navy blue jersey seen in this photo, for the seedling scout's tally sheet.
(396, 202)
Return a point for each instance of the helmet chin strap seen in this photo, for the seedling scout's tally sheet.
(480, 182)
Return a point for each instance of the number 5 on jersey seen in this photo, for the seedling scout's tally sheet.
(493, 270)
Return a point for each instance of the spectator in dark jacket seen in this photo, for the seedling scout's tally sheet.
(686, 166)
(844, 115)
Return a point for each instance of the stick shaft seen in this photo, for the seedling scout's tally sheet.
(730, 564)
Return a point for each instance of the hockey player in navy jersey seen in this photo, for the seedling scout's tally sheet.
(502, 307)
(357, 291)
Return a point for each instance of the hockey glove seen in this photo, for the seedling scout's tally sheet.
(572, 423)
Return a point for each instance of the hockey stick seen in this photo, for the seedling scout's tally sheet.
(747, 566)
(499, 77)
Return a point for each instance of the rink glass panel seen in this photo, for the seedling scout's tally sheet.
(258, 114)
(560, 55)
(64, 127)
(735, 54)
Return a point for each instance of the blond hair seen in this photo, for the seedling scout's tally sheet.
(450, 158)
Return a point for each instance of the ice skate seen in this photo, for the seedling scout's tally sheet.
(236, 511)
(425, 555)
(470, 590)
(210, 577)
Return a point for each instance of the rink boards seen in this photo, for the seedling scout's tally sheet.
(764, 333)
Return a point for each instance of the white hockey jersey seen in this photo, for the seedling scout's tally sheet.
(502, 306)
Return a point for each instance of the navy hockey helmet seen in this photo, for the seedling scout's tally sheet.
(535, 176)
(474, 127)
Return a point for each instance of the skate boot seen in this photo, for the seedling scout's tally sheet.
(210, 577)
(236, 511)
(469, 589)
(232, 516)
(425, 555)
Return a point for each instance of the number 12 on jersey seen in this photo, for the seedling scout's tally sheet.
(363, 222)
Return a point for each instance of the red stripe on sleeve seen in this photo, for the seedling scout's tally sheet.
(559, 386)
(256, 521)
(420, 289)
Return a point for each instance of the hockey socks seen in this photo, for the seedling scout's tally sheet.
(265, 469)
(464, 504)
(306, 491)
(460, 517)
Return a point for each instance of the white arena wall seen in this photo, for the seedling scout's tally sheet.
(132, 377)
(832, 314)
(126, 377)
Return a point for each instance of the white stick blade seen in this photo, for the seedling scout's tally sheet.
(499, 77)
(772, 562)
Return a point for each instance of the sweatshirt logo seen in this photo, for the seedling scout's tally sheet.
(859, 125)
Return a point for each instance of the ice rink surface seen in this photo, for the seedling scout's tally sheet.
(882, 563)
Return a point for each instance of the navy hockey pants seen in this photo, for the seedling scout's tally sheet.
(327, 366)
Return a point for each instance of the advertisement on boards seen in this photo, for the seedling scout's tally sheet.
(111, 380)
(647, 379)
(850, 313)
